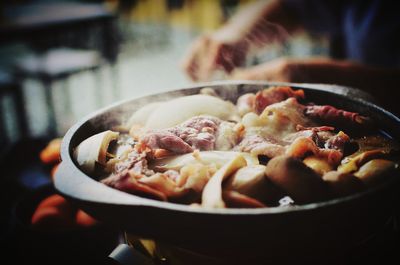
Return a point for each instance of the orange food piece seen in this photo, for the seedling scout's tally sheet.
(53, 201)
(161, 153)
(51, 219)
(51, 153)
(53, 213)
(84, 220)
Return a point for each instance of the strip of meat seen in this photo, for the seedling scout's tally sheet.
(258, 145)
(127, 182)
(196, 133)
(234, 199)
(301, 146)
(135, 160)
(338, 141)
(273, 95)
(336, 117)
(166, 140)
(163, 183)
(283, 128)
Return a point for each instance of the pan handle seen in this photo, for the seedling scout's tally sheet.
(124, 254)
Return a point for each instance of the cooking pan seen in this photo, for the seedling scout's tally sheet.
(317, 229)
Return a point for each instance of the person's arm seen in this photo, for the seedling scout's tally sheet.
(252, 27)
(381, 83)
(260, 23)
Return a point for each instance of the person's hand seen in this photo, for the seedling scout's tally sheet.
(222, 51)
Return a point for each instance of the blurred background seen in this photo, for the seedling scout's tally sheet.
(61, 60)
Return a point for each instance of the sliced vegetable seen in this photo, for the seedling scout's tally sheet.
(194, 176)
(212, 193)
(94, 150)
(219, 158)
(178, 110)
(251, 181)
(140, 116)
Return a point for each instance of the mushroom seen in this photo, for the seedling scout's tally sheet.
(93, 150)
(370, 147)
(318, 164)
(300, 182)
(376, 171)
(343, 184)
(251, 181)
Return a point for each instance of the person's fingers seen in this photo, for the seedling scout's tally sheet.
(208, 55)
(258, 72)
(190, 63)
(231, 57)
(209, 62)
(275, 70)
(244, 74)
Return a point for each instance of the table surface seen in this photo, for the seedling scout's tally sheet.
(27, 19)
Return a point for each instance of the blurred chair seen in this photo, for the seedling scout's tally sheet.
(55, 65)
(87, 30)
(10, 89)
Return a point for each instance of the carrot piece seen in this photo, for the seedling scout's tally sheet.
(84, 220)
(51, 153)
(51, 218)
(53, 201)
(161, 153)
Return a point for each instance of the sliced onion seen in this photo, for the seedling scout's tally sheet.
(212, 193)
(94, 150)
(176, 111)
(219, 158)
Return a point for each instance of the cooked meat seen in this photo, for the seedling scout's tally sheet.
(204, 133)
(336, 117)
(302, 149)
(273, 95)
(136, 161)
(283, 129)
(234, 199)
(196, 133)
(166, 140)
(258, 145)
(127, 181)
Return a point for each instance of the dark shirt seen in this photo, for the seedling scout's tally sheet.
(367, 31)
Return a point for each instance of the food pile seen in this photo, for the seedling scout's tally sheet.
(55, 213)
(269, 149)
